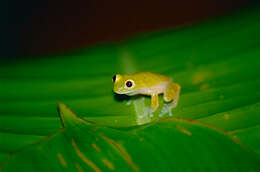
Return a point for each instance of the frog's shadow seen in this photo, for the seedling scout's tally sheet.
(122, 97)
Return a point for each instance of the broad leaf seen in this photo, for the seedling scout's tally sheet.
(216, 63)
(82, 146)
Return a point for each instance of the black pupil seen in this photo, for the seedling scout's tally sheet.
(129, 84)
(114, 78)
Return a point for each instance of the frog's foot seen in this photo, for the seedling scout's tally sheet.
(172, 94)
(166, 109)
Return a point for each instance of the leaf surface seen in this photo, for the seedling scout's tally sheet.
(216, 63)
(83, 146)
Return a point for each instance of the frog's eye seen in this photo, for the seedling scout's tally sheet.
(114, 78)
(129, 84)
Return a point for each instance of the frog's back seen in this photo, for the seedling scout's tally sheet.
(153, 76)
(150, 79)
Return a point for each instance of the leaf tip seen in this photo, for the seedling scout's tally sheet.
(66, 114)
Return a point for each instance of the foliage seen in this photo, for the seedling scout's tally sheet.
(216, 63)
(83, 146)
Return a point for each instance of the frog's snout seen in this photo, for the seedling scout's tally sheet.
(117, 91)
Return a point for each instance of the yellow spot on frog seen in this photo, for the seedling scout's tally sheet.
(84, 158)
(183, 130)
(79, 168)
(226, 116)
(95, 147)
(141, 139)
(108, 164)
(61, 159)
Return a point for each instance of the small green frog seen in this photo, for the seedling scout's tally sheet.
(148, 83)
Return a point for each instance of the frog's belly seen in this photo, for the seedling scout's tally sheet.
(155, 89)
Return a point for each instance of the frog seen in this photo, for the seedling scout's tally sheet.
(148, 84)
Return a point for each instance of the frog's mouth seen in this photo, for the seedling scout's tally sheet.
(119, 91)
(129, 93)
(122, 92)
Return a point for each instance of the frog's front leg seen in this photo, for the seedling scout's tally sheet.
(154, 102)
(172, 93)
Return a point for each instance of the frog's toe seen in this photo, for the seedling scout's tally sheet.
(167, 109)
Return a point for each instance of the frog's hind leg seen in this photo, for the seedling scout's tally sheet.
(172, 93)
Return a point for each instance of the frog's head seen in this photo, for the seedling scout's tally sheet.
(124, 84)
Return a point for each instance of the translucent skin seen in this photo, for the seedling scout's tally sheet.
(148, 83)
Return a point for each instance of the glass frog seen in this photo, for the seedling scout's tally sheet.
(148, 83)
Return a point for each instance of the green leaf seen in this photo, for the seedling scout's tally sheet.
(216, 63)
(84, 146)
